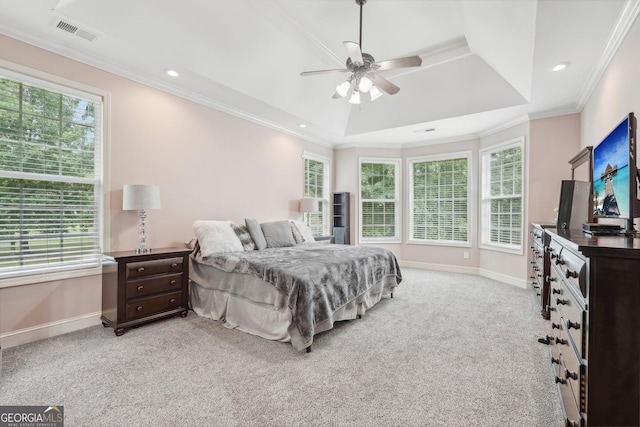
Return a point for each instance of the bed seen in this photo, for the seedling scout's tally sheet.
(290, 293)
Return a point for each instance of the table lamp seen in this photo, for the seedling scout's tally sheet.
(141, 197)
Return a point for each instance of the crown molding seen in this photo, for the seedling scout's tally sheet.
(625, 21)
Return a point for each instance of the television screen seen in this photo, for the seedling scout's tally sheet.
(611, 180)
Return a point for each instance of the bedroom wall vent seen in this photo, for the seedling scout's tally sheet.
(73, 29)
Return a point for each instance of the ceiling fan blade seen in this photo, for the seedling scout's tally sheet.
(335, 70)
(336, 96)
(353, 49)
(409, 61)
(383, 84)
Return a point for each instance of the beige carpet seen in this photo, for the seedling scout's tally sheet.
(447, 350)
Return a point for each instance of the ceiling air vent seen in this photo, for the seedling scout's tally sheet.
(70, 28)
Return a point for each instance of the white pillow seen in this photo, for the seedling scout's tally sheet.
(305, 231)
(216, 237)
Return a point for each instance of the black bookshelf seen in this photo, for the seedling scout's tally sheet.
(341, 218)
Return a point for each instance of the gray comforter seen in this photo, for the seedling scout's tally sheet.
(317, 279)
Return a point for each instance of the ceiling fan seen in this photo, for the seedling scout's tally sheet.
(363, 68)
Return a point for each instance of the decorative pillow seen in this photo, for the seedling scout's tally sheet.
(256, 233)
(297, 236)
(278, 234)
(304, 230)
(245, 238)
(216, 237)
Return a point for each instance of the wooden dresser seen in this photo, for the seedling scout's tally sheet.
(594, 329)
(139, 288)
(540, 266)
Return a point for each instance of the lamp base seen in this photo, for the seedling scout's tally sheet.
(144, 250)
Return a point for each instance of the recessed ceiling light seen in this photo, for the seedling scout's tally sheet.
(172, 73)
(302, 126)
(424, 130)
(561, 66)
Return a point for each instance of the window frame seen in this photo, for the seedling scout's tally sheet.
(435, 158)
(54, 83)
(397, 162)
(326, 188)
(484, 239)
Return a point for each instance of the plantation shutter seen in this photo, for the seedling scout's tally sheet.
(379, 199)
(316, 186)
(502, 197)
(439, 200)
(50, 177)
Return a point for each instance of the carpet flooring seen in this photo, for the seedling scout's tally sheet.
(448, 350)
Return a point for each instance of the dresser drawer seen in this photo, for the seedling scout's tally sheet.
(150, 268)
(574, 270)
(149, 306)
(575, 372)
(570, 409)
(153, 285)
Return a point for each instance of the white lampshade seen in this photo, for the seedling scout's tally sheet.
(355, 97)
(140, 197)
(375, 93)
(343, 88)
(365, 84)
(309, 205)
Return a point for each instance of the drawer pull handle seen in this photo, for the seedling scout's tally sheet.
(172, 300)
(561, 341)
(551, 279)
(570, 274)
(555, 326)
(560, 380)
(556, 291)
(140, 269)
(140, 288)
(559, 261)
(554, 360)
(174, 265)
(570, 374)
(139, 308)
(574, 325)
(173, 282)
(562, 301)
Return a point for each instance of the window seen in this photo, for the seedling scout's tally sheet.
(439, 199)
(316, 185)
(50, 176)
(379, 200)
(502, 210)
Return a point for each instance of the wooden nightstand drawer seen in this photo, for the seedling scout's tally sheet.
(140, 288)
(153, 285)
(150, 306)
(149, 268)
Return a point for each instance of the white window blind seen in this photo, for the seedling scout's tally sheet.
(439, 199)
(502, 202)
(316, 185)
(379, 200)
(50, 177)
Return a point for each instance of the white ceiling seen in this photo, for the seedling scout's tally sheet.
(486, 63)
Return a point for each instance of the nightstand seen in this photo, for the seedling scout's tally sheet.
(140, 288)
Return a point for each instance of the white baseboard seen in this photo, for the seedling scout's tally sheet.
(48, 330)
(439, 267)
(466, 270)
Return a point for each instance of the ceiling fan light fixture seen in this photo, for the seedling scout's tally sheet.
(343, 88)
(375, 93)
(355, 97)
(365, 84)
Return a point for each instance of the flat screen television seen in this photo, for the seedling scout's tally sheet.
(615, 175)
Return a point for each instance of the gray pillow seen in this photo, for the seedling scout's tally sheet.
(278, 234)
(256, 233)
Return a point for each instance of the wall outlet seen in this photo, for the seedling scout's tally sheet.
(465, 255)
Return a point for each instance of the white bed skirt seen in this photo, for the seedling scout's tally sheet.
(272, 322)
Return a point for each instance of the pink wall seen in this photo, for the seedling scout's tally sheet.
(208, 164)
